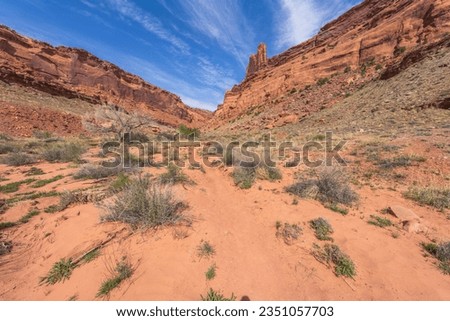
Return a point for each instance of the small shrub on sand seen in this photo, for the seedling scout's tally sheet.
(213, 295)
(211, 273)
(435, 197)
(330, 187)
(205, 250)
(244, 177)
(440, 252)
(34, 171)
(174, 175)
(322, 229)
(19, 159)
(288, 232)
(379, 221)
(331, 254)
(61, 271)
(44, 182)
(65, 152)
(90, 171)
(123, 271)
(4, 225)
(143, 203)
(14, 186)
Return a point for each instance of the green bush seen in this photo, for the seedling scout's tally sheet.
(330, 186)
(213, 295)
(322, 229)
(122, 272)
(174, 175)
(90, 171)
(323, 81)
(188, 132)
(65, 152)
(19, 159)
(332, 254)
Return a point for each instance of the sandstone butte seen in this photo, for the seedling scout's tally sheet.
(376, 31)
(75, 73)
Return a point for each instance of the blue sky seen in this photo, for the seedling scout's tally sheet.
(196, 49)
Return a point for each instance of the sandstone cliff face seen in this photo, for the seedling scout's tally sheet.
(257, 61)
(75, 73)
(376, 31)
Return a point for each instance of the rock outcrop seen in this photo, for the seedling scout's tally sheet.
(75, 73)
(257, 61)
(376, 32)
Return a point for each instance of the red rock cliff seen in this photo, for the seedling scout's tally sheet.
(375, 30)
(73, 72)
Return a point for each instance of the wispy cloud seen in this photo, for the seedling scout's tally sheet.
(152, 24)
(191, 94)
(211, 74)
(224, 22)
(299, 20)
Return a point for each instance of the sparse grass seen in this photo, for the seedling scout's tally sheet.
(19, 159)
(213, 295)
(188, 132)
(288, 232)
(440, 252)
(205, 250)
(34, 171)
(32, 196)
(65, 152)
(244, 177)
(120, 182)
(61, 271)
(44, 182)
(331, 254)
(174, 175)
(90, 171)
(400, 161)
(14, 186)
(123, 271)
(26, 218)
(91, 256)
(380, 221)
(432, 196)
(330, 187)
(143, 203)
(336, 208)
(210, 273)
(322, 229)
(5, 225)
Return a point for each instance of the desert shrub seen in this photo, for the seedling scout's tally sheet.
(379, 221)
(211, 272)
(144, 203)
(435, 197)
(336, 208)
(347, 69)
(322, 81)
(244, 177)
(331, 254)
(322, 229)
(19, 159)
(440, 252)
(61, 270)
(122, 271)
(330, 187)
(120, 182)
(174, 175)
(64, 152)
(288, 232)
(90, 171)
(5, 247)
(400, 161)
(213, 295)
(205, 250)
(188, 132)
(42, 134)
(7, 147)
(5, 225)
(34, 171)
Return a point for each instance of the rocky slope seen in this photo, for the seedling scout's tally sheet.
(75, 73)
(375, 33)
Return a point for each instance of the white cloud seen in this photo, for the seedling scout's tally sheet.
(152, 24)
(301, 19)
(224, 22)
(213, 75)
